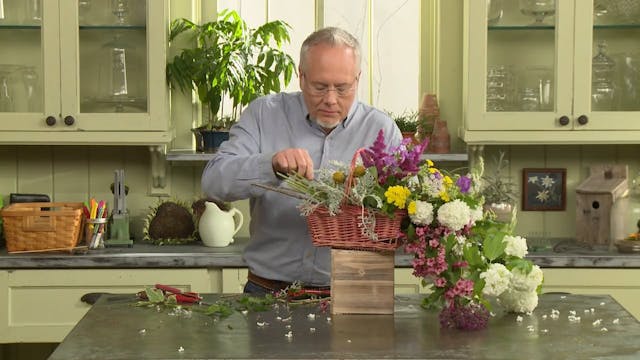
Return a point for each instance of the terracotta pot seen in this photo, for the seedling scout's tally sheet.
(412, 136)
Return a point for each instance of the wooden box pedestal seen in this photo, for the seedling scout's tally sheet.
(361, 282)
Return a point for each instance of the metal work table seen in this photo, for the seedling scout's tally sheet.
(114, 329)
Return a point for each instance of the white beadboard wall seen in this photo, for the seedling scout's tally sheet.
(399, 40)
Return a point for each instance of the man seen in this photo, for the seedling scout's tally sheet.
(295, 132)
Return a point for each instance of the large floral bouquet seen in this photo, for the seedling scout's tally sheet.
(460, 251)
(463, 253)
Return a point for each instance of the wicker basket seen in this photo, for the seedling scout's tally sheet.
(343, 230)
(42, 226)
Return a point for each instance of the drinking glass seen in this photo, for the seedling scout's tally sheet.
(83, 9)
(30, 80)
(539, 79)
(539, 9)
(120, 8)
(628, 80)
(529, 99)
(494, 11)
(6, 96)
(33, 11)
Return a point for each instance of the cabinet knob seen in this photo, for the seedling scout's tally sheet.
(583, 119)
(564, 120)
(69, 120)
(50, 120)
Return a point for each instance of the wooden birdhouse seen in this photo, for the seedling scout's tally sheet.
(595, 200)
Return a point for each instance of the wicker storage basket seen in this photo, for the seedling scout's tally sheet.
(42, 226)
(343, 231)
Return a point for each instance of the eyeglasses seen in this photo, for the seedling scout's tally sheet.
(320, 90)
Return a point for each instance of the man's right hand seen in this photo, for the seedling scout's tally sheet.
(289, 161)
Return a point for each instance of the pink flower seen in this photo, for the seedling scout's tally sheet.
(440, 282)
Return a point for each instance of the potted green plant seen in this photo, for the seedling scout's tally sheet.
(407, 122)
(229, 62)
(500, 194)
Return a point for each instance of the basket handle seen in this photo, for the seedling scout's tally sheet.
(352, 166)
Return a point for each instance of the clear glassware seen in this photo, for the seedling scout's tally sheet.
(120, 8)
(627, 79)
(540, 79)
(6, 96)
(499, 86)
(83, 9)
(494, 11)
(33, 11)
(602, 80)
(539, 9)
(529, 100)
(30, 80)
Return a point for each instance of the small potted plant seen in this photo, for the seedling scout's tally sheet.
(230, 62)
(500, 194)
(407, 123)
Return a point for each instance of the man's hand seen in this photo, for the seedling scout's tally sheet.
(289, 161)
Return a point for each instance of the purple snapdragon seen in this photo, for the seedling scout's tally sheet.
(401, 161)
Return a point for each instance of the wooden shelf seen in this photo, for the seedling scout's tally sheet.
(192, 155)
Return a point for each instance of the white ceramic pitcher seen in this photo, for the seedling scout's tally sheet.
(217, 227)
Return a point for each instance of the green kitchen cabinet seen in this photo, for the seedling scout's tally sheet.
(84, 72)
(567, 76)
(44, 305)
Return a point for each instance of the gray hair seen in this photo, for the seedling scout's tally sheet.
(332, 36)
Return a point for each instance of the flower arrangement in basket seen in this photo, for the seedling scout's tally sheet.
(361, 205)
(463, 253)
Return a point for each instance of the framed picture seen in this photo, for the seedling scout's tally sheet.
(544, 189)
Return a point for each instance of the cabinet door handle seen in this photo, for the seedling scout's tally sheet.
(564, 120)
(583, 119)
(69, 120)
(50, 120)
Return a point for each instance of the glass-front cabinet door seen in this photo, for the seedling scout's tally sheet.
(83, 71)
(551, 71)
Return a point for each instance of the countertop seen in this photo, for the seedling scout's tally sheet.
(144, 255)
(114, 329)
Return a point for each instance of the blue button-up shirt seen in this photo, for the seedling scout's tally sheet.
(280, 247)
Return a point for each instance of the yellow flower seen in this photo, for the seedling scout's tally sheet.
(445, 196)
(429, 163)
(447, 181)
(411, 209)
(397, 195)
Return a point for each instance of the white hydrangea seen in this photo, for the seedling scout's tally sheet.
(454, 214)
(519, 301)
(516, 246)
(497, 279)
(423, 214)
(526, 282)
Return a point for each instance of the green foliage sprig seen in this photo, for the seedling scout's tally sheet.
(407, 121)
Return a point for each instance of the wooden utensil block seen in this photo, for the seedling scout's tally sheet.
(361, 282)
(595, 198)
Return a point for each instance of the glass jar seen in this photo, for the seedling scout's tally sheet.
(602, 80)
